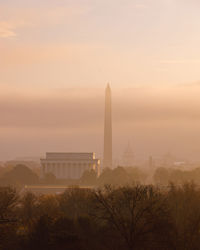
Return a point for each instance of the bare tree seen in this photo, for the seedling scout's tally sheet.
(8, 200)
(136, 213)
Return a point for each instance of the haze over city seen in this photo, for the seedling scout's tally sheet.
(57, 57)
(154, 120)
(99, 124)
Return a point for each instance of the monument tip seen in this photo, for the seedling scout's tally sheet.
(108, 85)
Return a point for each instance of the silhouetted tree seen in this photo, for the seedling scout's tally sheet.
(135, 213)
(49, 178)
(135, 217)
(75, 202)
(49, 205)
(28, 209)
(184, 202)
(135, 175)
(20, 175)
(8, 201)
(89, 177)
(162, 176)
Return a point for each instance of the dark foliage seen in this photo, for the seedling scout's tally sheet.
(129, 217)
(19, 175)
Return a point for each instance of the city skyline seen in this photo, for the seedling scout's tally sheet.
(99, 124)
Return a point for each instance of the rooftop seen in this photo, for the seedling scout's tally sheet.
(70, 156)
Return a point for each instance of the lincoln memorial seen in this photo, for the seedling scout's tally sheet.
(69, 165)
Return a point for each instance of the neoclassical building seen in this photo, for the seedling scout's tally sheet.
(69, 165)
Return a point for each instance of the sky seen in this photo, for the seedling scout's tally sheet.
(56, 57)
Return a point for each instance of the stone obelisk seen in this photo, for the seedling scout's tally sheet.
(107, 157)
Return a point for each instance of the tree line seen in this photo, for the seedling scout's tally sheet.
(21, 175)
(132, 217)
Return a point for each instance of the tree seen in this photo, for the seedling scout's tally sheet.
(184, 204)
(89, 177)
(48, 205)
(8, 201)
(135, 175)
(28, 209)
(117, 176)
(75, 202)
(161, 176)
(49, 178)
(105, 177)
(136, 213)
(20, 175)
(120, 176)
(39, 238)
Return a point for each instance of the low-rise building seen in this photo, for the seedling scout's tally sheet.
(69, 165)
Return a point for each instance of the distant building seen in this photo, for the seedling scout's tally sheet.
(168, 160)
(128, 157)
(69, 165)
(151, 162)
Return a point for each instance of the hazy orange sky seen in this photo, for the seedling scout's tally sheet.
(56, 57)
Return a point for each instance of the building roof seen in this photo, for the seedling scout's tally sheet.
(69, 156)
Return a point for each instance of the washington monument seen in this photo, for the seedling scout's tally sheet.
(107, 157)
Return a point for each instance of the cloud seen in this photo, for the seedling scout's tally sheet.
(72, 120)
(186, 61)
(7, 30)
(83, 109)
(41, 16)
(27, 18)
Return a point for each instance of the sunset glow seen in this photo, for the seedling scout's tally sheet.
(57, 56)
